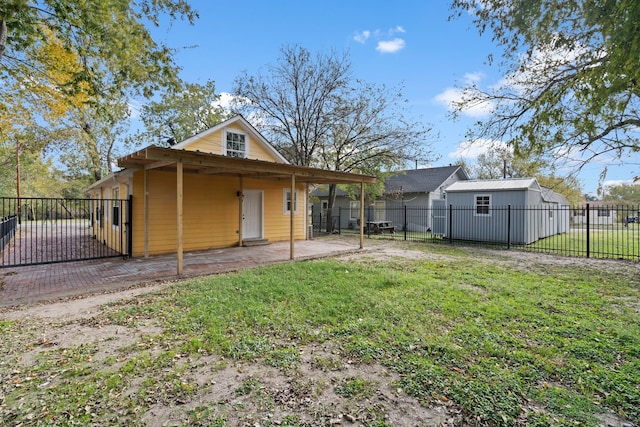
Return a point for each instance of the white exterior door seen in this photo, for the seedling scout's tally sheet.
(252, 214)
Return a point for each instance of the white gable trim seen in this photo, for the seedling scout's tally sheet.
(251, 131)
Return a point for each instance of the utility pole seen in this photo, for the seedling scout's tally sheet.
(18, 182)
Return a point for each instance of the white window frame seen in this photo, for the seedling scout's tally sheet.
(115, 203)
(226, 151)
(324, 205)
(476, 198)
(354, 205)
(286, 200)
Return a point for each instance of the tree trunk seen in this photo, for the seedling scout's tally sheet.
(330, 203)
(3, 37)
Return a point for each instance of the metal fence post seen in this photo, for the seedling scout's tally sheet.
(509, 227)
(450, 223)
(404, 226)
(588, 221)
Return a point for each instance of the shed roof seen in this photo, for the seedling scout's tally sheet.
(494, 185)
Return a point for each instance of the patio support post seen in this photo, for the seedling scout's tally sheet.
(291, 212)
(240, 210)
(179, 197)
(361, 214)
(146, 215)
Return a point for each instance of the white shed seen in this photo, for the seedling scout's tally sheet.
(517, 211)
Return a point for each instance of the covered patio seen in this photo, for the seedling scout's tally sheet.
(183, 162)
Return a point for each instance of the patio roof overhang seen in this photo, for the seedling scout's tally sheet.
(213, 164)
(184, 161)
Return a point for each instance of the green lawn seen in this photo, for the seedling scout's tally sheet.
(494, 342)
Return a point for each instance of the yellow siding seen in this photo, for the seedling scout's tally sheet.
(212, 143)
(276, 221)
(107, 233)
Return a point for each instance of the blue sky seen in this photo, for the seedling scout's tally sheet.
(410, 43)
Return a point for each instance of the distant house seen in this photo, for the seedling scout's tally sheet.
(414, 189)
(518, 211)
(598, 213)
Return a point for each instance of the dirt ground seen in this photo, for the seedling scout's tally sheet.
(308, 391)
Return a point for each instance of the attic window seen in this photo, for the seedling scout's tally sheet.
(236, 145)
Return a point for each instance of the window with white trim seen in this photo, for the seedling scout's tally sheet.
(115, 207)
(287, 201)
(483, 205)
(354, 209)
(235, 144)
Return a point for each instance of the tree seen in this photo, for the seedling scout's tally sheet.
(105, 29)
(74, 68)
(292, 100)
(568, 186)
(624, 194)
(370, 133)
(572, 84)
(180, 113)
(318, 115)
(501, 162)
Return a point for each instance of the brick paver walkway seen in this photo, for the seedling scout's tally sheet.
(32, 284)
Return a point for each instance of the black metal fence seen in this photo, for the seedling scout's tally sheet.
(591, 230)
(7, 229)
(49, 230)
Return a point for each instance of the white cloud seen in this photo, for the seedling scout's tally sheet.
(470, 150)
(616, 182)
(390, 46)
(362, 36)
(452, 97)
(473, 78)
(225, 101)
(385, 41)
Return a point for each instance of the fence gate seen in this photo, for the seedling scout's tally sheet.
(48, 230)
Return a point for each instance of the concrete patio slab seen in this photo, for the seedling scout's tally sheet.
(39, 283)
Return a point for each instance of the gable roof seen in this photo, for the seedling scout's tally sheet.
(548, 195)
(509, 184)
(257, 136)
(425, 180)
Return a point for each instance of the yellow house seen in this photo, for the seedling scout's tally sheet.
(226, 186)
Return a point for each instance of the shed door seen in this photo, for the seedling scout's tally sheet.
(252, 214)
(439, 217)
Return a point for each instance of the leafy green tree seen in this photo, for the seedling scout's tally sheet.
(624, 194)
(568, 186)
(112, 30)
(501, 162)
(180, 113)
(572, 84)
(74, 67)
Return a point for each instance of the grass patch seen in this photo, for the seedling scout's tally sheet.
(488, 338)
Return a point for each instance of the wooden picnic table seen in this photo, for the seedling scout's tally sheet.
(379, 227)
